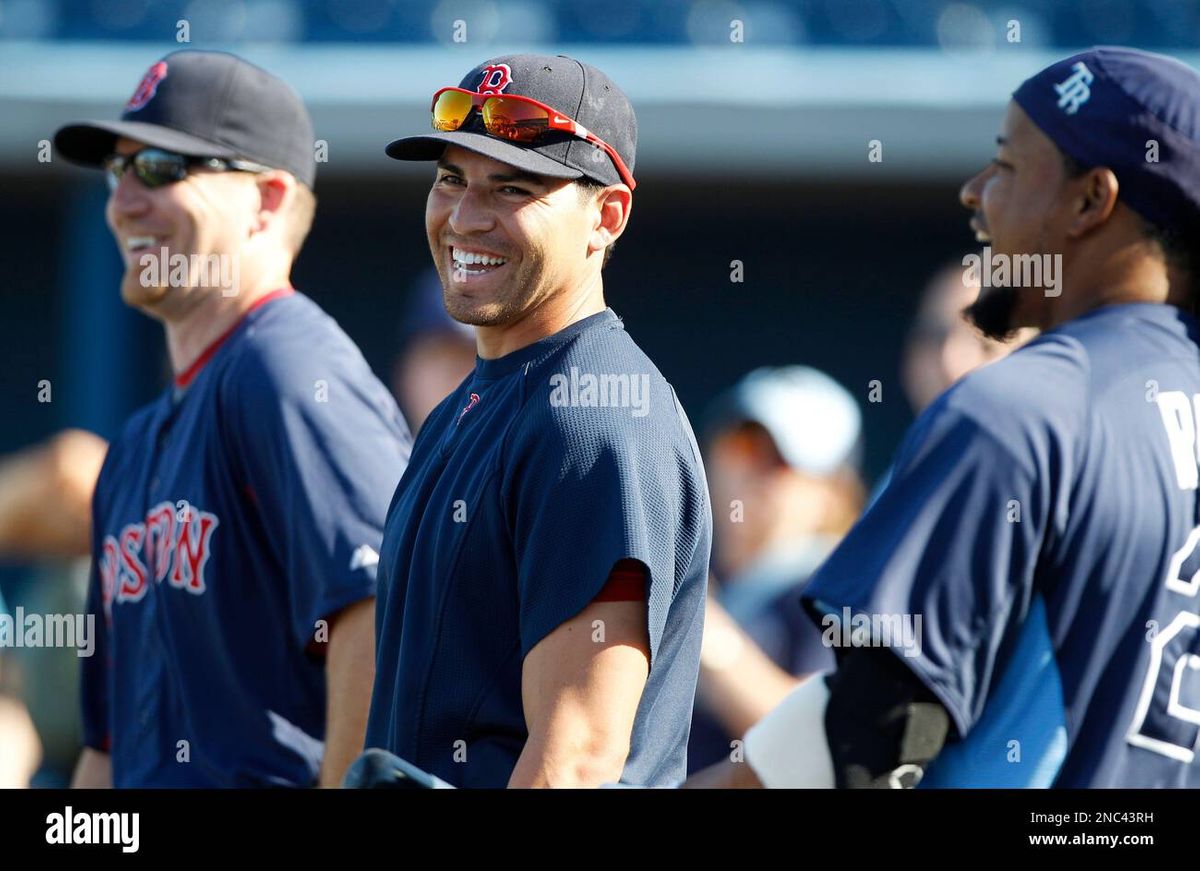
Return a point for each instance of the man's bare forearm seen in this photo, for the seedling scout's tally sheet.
(349, 676)
(581, 696)
(724, 775)
(578, 768)
(93, 770)
(46, 495)
(738, 682)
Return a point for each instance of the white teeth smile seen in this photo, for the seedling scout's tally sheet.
(469, 258)
(133, 243)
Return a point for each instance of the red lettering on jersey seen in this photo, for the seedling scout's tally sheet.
(107, 566)
(133, 577)
(191, 550)
(496, 77)
(160, 539)
(160, 546)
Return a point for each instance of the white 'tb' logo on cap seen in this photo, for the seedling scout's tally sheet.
(1073, 91)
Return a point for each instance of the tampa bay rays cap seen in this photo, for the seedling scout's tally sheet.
(1135, 112)
(205, 104)
(814, 422)
(575, 89)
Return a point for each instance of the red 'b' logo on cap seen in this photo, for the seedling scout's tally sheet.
(496, 77)
(148, 86)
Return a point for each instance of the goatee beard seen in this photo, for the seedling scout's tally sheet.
(992, 312)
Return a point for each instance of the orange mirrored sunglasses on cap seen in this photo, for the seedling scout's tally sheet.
(517, 119)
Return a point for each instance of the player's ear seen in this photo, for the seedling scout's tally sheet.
(612, 206)
(1095, 197)
(275, 191)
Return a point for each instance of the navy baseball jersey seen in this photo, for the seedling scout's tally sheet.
(232, 515)
(544, 468)
(1034, 559)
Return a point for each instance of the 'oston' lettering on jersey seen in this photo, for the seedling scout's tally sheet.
(172, 542)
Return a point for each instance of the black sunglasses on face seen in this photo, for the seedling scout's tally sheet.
(155, 167)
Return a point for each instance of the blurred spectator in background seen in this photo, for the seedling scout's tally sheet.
(46, 496)
(46, 520)
(20, 750)
(436, 351)
(941, 346)
(783, 450)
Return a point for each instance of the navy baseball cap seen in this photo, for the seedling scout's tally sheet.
(1135, 112)
(205, 104)
(575, 89)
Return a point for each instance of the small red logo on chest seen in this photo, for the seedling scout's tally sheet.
(474, 401)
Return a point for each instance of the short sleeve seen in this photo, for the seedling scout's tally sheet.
(585, 488)
(942, 562)
(323, 447)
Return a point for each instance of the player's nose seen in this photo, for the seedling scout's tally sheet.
(969, 194)
(129, 197)
(471, 214)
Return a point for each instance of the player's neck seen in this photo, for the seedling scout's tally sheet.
(556, 313)
(1128, 275)
(191, 334)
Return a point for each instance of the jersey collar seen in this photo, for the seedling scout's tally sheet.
(499, 367)
(188, 375)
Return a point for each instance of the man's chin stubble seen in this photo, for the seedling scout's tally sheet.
(139, 296)
(489, 315)
(499, 310)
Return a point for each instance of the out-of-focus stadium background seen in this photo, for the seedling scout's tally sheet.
(757, 121)
(754, 151)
